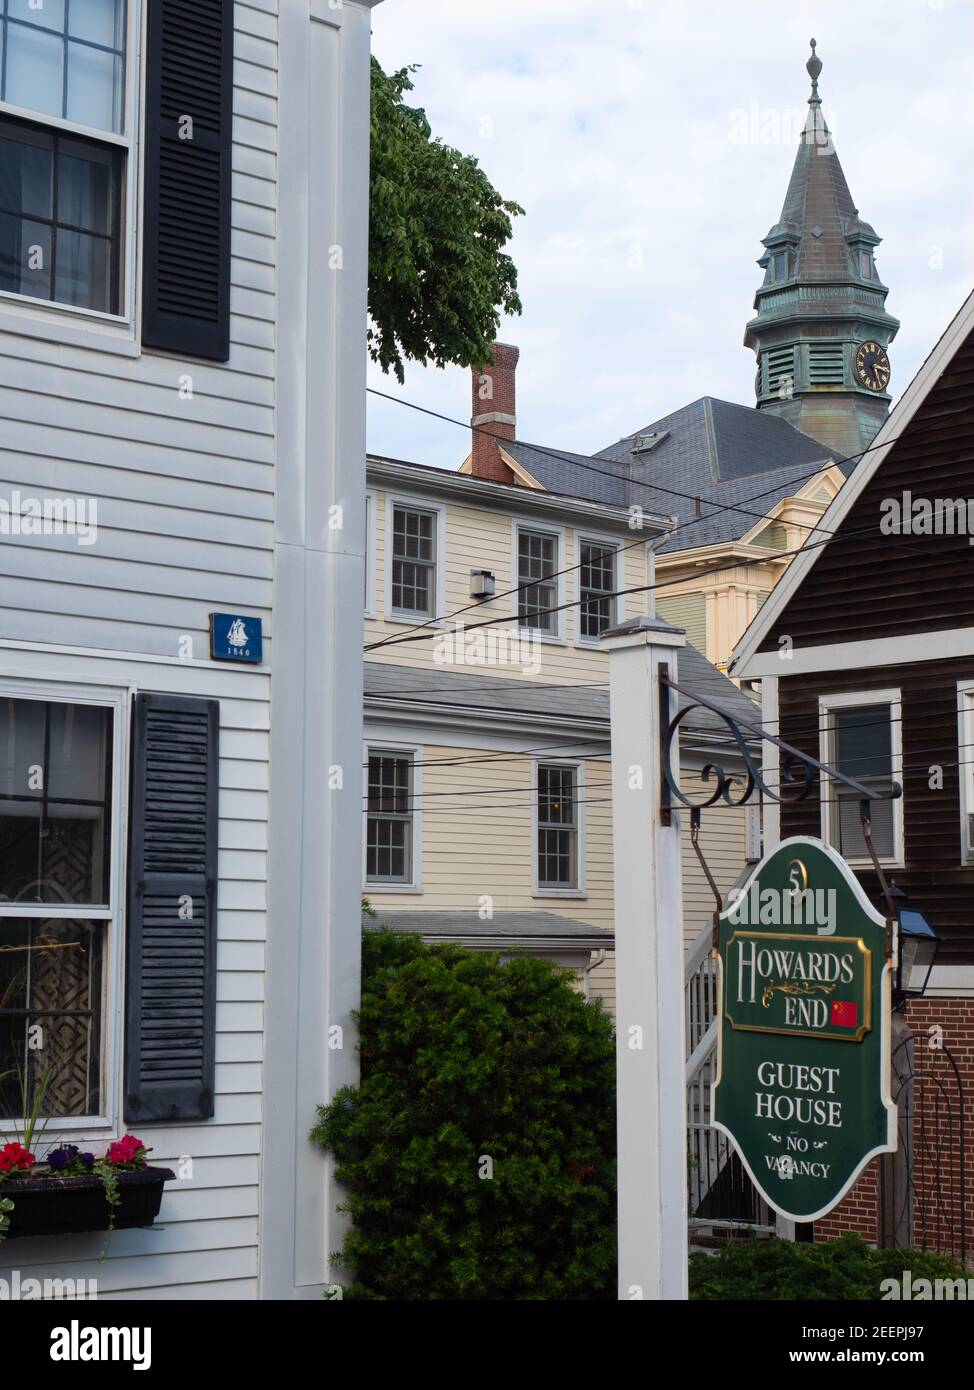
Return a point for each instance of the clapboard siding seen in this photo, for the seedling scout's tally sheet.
(869, 585)
(185, 493)
(462, 866)
(933, 876)
(483, 538)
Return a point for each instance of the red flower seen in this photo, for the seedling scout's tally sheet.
(127, 1152)
(14, 1158)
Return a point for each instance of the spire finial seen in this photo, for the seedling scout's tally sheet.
(814, 67)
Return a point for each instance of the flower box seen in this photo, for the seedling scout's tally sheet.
(50, 1206)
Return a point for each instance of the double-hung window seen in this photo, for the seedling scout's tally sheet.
(414, 561)
(56, 905)
(537, 567)
(597, 585)
(557, 835)
(861, 738)
(64, 147)
(389, 819)
(965, 760)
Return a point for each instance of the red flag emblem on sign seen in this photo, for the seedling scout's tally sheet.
(845, 1013)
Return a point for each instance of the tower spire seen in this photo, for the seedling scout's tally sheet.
(821, 329)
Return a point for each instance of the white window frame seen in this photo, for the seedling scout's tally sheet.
(436, 509)
(68, 323)
(118, 700)
(413, 751)
(607, 543)
(371, 554)
(540, 528)
(580, 889)
(965, 761)
(827, 704)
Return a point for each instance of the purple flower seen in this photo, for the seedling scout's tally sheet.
(68, 1158)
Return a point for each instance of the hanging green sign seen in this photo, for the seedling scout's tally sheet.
(803, 1066)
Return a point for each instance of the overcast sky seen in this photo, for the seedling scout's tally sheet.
(650, 143)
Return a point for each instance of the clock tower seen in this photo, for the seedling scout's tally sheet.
(821, 331)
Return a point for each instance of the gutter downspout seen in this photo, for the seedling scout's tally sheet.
(595, 960)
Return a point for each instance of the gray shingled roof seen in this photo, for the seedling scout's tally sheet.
(716, 450)
(525, 924)
(510, 695)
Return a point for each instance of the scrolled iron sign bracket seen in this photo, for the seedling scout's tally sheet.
(796, 767)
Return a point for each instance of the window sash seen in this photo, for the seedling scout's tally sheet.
(389, 819)
(93, 1018)
(413, 561)
(860, 744)
(48, 227)
(72, 50)
(557, 825)
(537, 561)
(597, 583)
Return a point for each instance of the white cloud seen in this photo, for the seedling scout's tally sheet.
(617, 124)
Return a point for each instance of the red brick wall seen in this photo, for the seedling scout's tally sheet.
(936, 1137)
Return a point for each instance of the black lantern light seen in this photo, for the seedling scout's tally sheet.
(917, 943)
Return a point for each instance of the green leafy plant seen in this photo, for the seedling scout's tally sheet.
(33, 1123)
(478, 1152)
(842, 1270)
(438, 274)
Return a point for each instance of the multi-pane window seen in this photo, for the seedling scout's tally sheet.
(55, 872)
(557, 826)
(860, 738)
(537, 564)
(596, 580)
(60, 191)
(65, 58)
(389, 819)
(413, 561)
(59, 217)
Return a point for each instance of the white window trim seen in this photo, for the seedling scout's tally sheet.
(608, 543)
(106, 1125)
(414, 750)
(394, 615)
(846, 700)
(581, 889)
(67, 323)
(371, 554)
(558, 637)
(965, 759)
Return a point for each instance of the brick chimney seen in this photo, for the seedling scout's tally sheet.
(493, 418)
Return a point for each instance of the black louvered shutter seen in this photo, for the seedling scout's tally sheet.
(186, 211)
(170, 998)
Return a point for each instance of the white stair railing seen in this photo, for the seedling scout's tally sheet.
(708, 1150)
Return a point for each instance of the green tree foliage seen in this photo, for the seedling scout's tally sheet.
(836, 1270)
(478, 1151)
(438, 275)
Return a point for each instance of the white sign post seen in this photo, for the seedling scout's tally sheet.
(651, 1038)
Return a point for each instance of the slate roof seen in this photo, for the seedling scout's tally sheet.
(721, 452)
(439, 685)
(520, 925)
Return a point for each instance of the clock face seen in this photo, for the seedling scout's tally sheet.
(872, 366)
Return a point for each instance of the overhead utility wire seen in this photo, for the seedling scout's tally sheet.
(691, 521)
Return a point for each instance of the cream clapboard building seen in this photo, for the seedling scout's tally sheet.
(183, 370)
(486, 768)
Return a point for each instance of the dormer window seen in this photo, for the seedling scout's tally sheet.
(779, 265)
(866, 268)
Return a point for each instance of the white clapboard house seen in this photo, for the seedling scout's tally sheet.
(183, 223)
